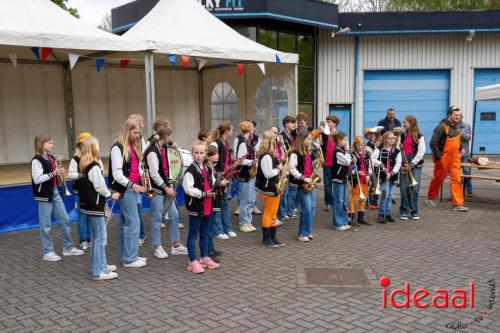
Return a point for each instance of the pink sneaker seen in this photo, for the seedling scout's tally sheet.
(209, 263)
(195, 267)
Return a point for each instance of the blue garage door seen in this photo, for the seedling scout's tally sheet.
(487, 118)
(424, 94)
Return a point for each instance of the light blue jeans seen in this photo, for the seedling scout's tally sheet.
(246, 194)
(222, 220)
(283, 207)
(98, 262)
(128, 229)
(158, 204)
(404, 208)
(83, 222)
(293, 199)
(307, 212)
(339, 194)
(387, 190)
(45, 212)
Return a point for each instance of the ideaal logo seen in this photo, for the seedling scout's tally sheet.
(423, 298)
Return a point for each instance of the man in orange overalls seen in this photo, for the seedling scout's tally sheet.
(447, 152)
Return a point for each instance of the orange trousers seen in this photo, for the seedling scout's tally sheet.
(355, 204)
(449, 164)
(271, 205)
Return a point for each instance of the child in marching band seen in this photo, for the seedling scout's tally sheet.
(371, 144)
(93, 194)
(74, 174)
(301, 171)
(388, 158)
(47, 192)
(198, 183)
(340, 170)
(328, 148)
(269, 167)
(362, 168)
(286, 208)
(156, 161)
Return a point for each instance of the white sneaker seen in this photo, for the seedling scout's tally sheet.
(294, 215)
(252, 228)
(51, 256)
(163, 225)
(179, 250)
(341, 228)
(160, 253)
(296, 211)
(303, 239)
(415, 217)
(287, 218)
(278, 223)
(73, 252)
(142, 258)
(136, 264)
(181, 226)
(112, 268)
(106, 276)
(246, 228)
(232, 234)
(141, 242)
(237, 211)
(430, 203)
(347, 227)
(460, 209)
(256, 211)
(84, 246)
(403, 217)
(222, 236)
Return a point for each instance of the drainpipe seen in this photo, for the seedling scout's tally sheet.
(356, 75)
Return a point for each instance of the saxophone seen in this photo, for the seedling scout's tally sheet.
(316, 179)
(283, 177)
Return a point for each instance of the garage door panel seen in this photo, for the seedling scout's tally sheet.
(424, 94)
(486, 132)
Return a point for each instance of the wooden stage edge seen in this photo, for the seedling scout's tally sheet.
(20, 174)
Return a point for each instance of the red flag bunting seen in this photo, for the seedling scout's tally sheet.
(185, 61)
(241, 69)
(46, 51)
(124, 63)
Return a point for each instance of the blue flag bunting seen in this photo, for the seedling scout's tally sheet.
(36, 52)
(172, 59)
(99, 62)
(220, 64)
(278, 60)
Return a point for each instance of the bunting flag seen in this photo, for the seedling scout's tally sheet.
(124, 63)
(13, 58)
(36, 52)
(73, 58)
(46, 51)
(185, 61)
(241, 69)
(172, 59)
(262, 67)
(278, 60)
(99, 62)
(201, 64)
(220, 64)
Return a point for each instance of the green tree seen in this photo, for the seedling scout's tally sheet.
(441, 5)
(63, 5)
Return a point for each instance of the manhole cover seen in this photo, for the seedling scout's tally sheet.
(335, 277)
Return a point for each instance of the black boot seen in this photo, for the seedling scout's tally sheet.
(273, 237)
(266, 238)
(361, 218)
(350, 218)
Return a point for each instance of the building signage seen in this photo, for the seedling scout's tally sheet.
(222, 5)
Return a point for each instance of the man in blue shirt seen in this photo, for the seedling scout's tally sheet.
(466, 136)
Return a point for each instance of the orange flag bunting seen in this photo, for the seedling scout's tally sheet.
(241, 69)
(124, 63)
(185, 61)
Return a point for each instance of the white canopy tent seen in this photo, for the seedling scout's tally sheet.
(488, 92)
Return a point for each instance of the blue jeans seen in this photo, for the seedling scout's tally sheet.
(128, 229)
(246, 195)
(98, 262)
(83, 223)
(142, 234)
(283, 207)
(226, 211)
(158, 203)
(466, 171)
(387, 190)
(45, 211)
(408, 193)
(210, 231)
(198, 227)
(327, 181)
(339, 204)
(293, 199)
(307, 212)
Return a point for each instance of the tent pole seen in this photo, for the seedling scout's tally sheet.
(296, 89)
(150, 91)
(69, 108)
(200, 99)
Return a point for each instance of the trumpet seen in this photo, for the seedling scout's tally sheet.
(61, 179)
(146, 180)
(376, 180)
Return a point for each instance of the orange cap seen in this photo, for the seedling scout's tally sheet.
(82, 136)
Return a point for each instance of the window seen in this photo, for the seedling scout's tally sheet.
(268, 38)
(224, 106)
(248, 32)
(272, 104)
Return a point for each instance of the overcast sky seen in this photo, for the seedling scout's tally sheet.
(92, 11)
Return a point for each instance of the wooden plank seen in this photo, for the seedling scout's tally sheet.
(497, 179)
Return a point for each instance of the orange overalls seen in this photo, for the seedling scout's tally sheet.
(450, 163)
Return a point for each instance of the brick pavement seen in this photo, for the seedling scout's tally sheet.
(256, 288)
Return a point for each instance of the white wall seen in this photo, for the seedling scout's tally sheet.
(453, 52)
(31, 103)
